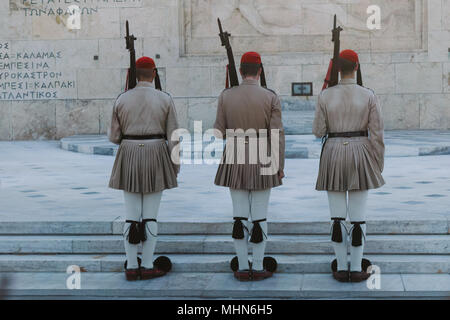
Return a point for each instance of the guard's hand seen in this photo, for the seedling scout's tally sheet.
(281, 174)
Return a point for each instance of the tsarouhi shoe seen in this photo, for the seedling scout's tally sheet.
(341, 276)
(359, 276)
(132, 274)
(261, 275)
(243, 275)
(147, 274)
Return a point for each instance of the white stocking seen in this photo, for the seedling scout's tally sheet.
(133, 209)
(357, 212)
(259, 203)
(150, 208)
(338, 209)
(241, 209)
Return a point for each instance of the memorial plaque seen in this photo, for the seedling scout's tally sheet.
(34, 73)
(271, 26)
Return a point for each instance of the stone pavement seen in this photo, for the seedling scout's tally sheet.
(398, 144)
(56, 211)
(41, 182)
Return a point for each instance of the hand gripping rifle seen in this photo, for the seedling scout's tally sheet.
(232, 77)
(131, 76)
(332, 78)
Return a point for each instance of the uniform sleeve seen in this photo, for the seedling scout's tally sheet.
(376, 129)
(277, 123)
(171, 126)
(115, 131)
(320, 123)
(220, 124)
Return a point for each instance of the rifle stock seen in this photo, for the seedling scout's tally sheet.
(131, 77)
(332, 77)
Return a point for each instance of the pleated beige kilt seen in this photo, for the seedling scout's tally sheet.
(244, 176)
(143, 167)
(348, 167)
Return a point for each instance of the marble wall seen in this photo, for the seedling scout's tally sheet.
(56, 81)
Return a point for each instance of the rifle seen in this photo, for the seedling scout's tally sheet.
(231, 67)
(131, 76)
(263, 77)
(332, 77)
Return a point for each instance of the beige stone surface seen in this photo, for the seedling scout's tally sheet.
(15, 26)
(297, 22)
(400, 111)
(438, 45)
(99, 83)
(315, 74)
(150, 22)
(446, 77)
(418, 77)
(280, 78)
(445, 14)
(435, 111)
(33, 120)
(189, 82)
(218, 77)
(103, 24)
(379, 77)
(77, 117)
(436, 14)
(202, 110)
(105, 113)
(162, 46)
(5, 120)
(182, 107)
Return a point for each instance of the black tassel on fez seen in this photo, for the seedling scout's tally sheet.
(359, 76)
(238, 229)
(357, 234)
(257, 232)
(337, 231)
(133, 232)
(157, 81)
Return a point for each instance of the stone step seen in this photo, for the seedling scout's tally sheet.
(298, 244)
(382, 226)
(223, 285)
(307, 263)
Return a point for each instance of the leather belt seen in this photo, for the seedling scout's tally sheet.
(349, 134)
(149, 137)
(342, 135)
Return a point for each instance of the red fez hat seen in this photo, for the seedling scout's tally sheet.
(251, 57)
(349, 55)
(145, 63)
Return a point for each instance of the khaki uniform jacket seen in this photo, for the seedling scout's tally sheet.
(350, 163)
(249, 106)
(144, 166)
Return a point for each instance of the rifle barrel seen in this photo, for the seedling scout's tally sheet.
(220, 26)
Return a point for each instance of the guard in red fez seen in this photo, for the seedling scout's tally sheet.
(143, 120)
(147, 63)
(348, 118)
(250, 58)
(249, 107)
(352, 56)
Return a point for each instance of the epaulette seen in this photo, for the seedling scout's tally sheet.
(120, 95)
(167, 93)
(369, 89)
